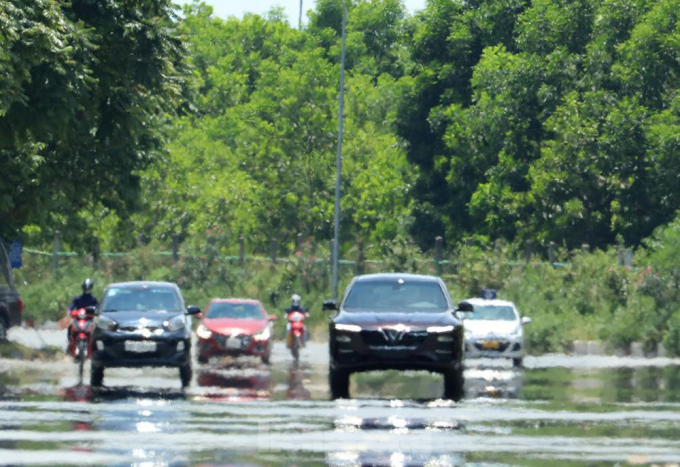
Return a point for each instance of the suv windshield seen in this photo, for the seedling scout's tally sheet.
(396, 295)
(234, 311)
(141, 299)
(491, 312)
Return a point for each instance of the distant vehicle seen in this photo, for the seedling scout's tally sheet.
(80, 334)
(11, 308)
(396, 321)
(142, 324)
(296, 335)
(235, 327)
(495, 330)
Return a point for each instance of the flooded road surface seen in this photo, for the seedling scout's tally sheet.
(559, 410)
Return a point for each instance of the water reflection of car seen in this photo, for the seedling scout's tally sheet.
(142, 324)
(400, 322)
(235, 385)
(235, 327)
(495, 330)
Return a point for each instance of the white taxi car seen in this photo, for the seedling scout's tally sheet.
(494, 330)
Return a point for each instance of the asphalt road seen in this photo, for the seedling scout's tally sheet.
(559, 409)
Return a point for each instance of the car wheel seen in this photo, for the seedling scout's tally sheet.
(454, 384)
(265, 359)
(3, 329)
(338, 380)
(185, 374)
(96, 376)
(517, 362)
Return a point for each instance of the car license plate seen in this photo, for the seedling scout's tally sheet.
(234, 343)
(491, 345)
(140, 346)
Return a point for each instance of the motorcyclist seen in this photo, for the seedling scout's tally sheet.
(296, 305)
(81, 301)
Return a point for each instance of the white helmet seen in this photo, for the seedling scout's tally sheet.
(296, 299)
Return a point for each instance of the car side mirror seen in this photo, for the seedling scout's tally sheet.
(526, 320)
(329, 305)
(193, 310)
(465, 307)
(273, 318)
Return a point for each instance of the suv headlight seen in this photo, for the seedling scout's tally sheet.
(348, 327)
(203, 332)
(106, 323)
(438, 329)
(263, 335)
(175, 324)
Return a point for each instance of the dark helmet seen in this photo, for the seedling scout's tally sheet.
(87, 286)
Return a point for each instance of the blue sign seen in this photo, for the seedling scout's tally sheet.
(15, 254)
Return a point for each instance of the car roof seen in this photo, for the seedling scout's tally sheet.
(495, 302)
(236, 300)
(123, 285)
(396, 275)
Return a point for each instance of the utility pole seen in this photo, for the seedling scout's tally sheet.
(300, 18)
(338, 170)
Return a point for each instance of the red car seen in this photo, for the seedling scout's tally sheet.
(235, 327)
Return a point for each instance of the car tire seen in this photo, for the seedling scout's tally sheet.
(338, 382)
(517, 362)
(185, 375)
(3, 329)
(265, 359)
(454, 384)
(96, 376)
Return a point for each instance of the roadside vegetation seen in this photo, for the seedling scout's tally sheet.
(586, 296)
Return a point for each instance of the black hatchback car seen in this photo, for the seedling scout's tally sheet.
(142, 324)
(396, 321)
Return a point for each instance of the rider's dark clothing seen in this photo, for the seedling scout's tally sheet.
(83, 301)
(299, 308)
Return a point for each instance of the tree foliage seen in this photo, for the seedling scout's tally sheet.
(557, 123)
(85, 91)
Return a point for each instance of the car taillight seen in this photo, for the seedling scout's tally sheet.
(21, 307)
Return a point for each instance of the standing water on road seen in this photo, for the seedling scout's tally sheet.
(579, 411)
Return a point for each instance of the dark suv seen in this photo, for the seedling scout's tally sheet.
(142, 324)
(396, 321)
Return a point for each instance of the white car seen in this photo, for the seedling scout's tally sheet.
(494, 330)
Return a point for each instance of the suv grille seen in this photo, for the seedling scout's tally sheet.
(391, 338)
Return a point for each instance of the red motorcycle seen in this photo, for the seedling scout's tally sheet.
(80, 336)
(296, 333)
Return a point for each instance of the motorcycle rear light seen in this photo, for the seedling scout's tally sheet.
(82, 335)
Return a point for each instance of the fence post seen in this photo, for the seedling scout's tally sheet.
(438, 249)
(528, 250)
(298, 244)
(628, 260)
(275, 250)
(95, 253)
(175, 248)
(552, 256)
(241, 250)
(360, 258)
(56, 247)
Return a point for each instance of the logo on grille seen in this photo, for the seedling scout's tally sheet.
(394, 334)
